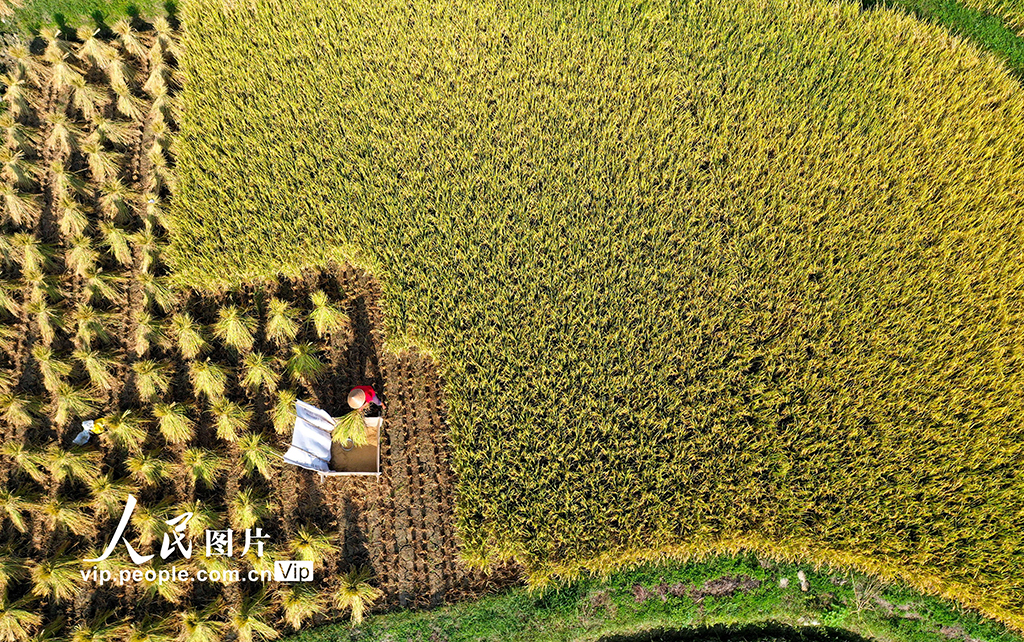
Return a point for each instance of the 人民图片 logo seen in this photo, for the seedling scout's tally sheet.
(217, 543)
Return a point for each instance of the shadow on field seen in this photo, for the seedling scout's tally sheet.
(767, 632)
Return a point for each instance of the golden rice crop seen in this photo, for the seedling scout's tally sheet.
(700, 276)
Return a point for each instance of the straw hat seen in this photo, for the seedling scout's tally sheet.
(356, 398)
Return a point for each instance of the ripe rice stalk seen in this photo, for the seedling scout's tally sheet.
(99, 366)
(116, 200)
(156, 293)
(312, 545)
(201, 624)
(86, 98)
(23, 174)
(110, 131)
(30, 461)
(283, 413)
(99, 627)
(356, 594)
(158, 80)
(149, 331)
(258, 455)
(91, 325)
(18, 96)
(63, 136)
(72, 465)
(164, 39)
(107, 495)
(72, 217)
(249, 619)
(304, 366)
(7, 378)
(19, 617)
(72, 402)
(26, 65)
(63, 74)
(264, 563)
(10, 337)
(148, 469)
(150, 247)
(102, 286)
(126, 431)
(32, 254)
(20, 208)
(247, 508)
(56, 578)
(95, 51)
(300, 603)
(168, 592)
(12, 569)
(53, 370)
(149, 628)
(166, 178)
(7, 254)
(39, 287)
(229, 418)
(152, 379)
(18, 410)
(155, 214)
(60, 514)
(56, 44)
(149, 522)
(175, 423)
(282, 322)
(103, 165)
(47, 319)
(81, 258)
(203, 466)
(132, 41)
(16, 136)
(259, 371)
(128, 104)
(156, 157)
(116, 240)
(9, 299)
(64, 183)
(204, 516)
(327, 318)
(208, 379)
(121, 75)
(188, 335)
(14, 505)
(235, 327)
(352, 426)
(161, 111)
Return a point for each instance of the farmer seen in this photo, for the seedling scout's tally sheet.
(362, 396)
(90, 427)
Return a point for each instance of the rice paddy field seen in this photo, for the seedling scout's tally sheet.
(699, 278)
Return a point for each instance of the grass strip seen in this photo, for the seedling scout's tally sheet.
(729, 598)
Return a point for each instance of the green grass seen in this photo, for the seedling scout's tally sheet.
(699, 277)
(1011, 10)
(837, 606)
(42, 13)
(983, 28)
